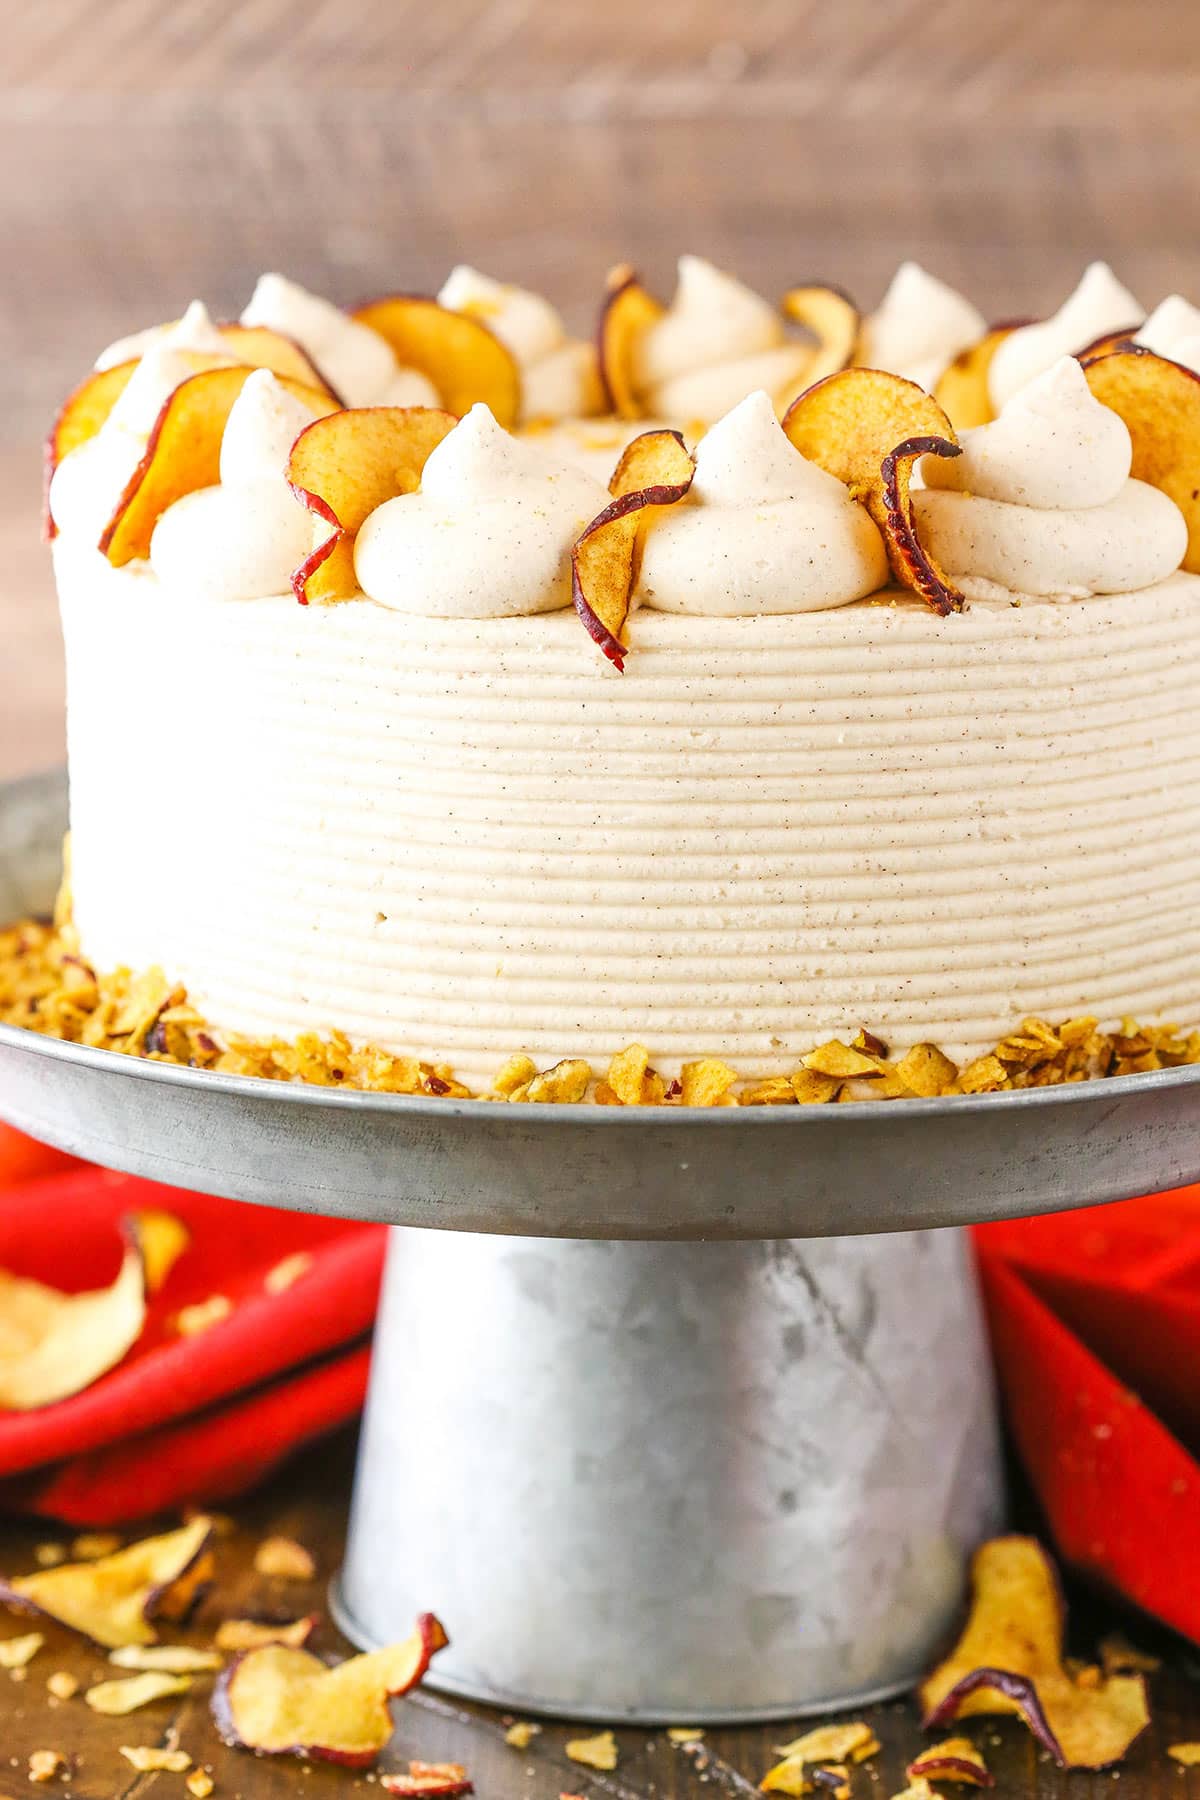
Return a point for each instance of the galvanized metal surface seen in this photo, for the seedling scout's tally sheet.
(580, 1171)
(674, 1482)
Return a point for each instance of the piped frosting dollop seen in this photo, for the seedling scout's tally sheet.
(1173, 330)
(1040, 501)
(919, 327)
(243, 539)
(717, 342)
(761, 531)
(558, 372)
(1098, 305)
(356, 360)
(89, 481)
(487, 535)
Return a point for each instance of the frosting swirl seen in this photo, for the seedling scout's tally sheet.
(558, 373)
(89, 481)
(361, 366)
(487, 535)
(194, 331)
(1097, 306)
(762, 530)
(243, 539)
(1173, 330)
(919, 327)
(717, 342)
(1040, 501)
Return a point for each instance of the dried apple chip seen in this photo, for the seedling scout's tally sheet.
(112, 1601)
(165, 1659)
(184, 453)
(1009, 1660)
(869, 429)
(263, 348)
(117, 1698)
(956, 1760)
(252, 1634)
(465, 361)
(598, 1752)
(963, 390)
(53, 1344)
(1159, 401)
(656, 469)
(832, 319)
(430, 1781)
(628, 312)
(342, 467)
(284, 1702)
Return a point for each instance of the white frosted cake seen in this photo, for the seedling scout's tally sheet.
(848, 767)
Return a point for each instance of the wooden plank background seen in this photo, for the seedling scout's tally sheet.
(152, 152)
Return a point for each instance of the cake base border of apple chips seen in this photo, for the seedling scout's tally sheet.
(46, 986)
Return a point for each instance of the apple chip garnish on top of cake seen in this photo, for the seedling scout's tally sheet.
(439, 517)
(870, 429)
(1159, 402)
(184, 454)
(460, 354)
(655, 470)
(345, 466)
(715, 343)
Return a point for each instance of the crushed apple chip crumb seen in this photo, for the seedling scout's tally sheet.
(252, 1634)
(48, 1556)
(598, 1752)
(521, 1734)
(200, 1784)
(287, 1273)
(706, 1082)
(684, 1734)
(130, 1694)
(46, 1765)
(1188, 1755)
(190, 1321)
(46, 986)
(148, 1759)
(285, 1558)
(62, 1684)
(170, 1659)
(15, 1652)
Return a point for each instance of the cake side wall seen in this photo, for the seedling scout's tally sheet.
(462, 839)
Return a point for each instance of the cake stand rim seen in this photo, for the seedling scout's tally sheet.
(1114, 1088)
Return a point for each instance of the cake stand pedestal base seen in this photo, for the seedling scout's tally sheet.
(673, 1482)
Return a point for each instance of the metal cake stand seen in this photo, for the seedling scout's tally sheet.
(677, 1415)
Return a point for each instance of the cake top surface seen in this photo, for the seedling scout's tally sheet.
(713, 453)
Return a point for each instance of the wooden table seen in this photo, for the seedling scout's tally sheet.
(308, 1501)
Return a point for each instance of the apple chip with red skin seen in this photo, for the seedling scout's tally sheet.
(869, 429)
(184, 453)
(278, 1701)
(656, 469)
(955, 1760)
(1159, 401)
(1009, 1659)
(627, 314)
(344, 466)
(465, 361)
(113, 1600)
(829, 316)
(86, 410)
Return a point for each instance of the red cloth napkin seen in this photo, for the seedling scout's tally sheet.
(182, 1418)
(1095, 1323)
